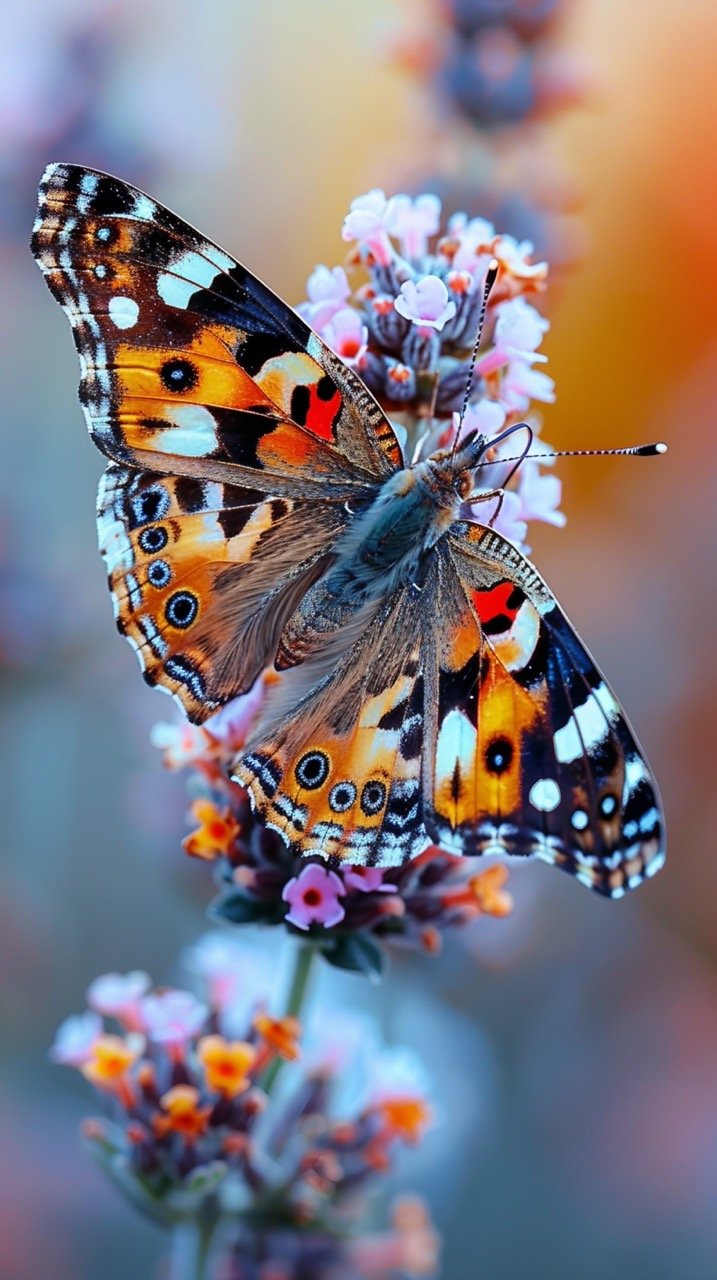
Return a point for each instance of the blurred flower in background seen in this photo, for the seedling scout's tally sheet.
(204, 1137)
(497, 70)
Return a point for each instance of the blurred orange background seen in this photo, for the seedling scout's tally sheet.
(597, 1148)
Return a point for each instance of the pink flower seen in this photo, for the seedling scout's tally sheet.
(313, 897)
(514, 257)
(519, 330)
(412, 222)
(172, 1017)
(475, 244)
(484, 416)
(346, 335)
(365, 224)
(118, 995)
(518, 333)
(521, 384)
(366, 880)
(540, 496)
(236, 973)
(327, 290)
(75, 1039)
(509, 522)
(425, 302)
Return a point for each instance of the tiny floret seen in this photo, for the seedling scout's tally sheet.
(425, 302)
(313, 898)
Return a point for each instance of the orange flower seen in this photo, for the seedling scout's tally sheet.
(487, 889)
(281, 1034)
(482, 894)
(226, 1064)
(215, 834)
(405, 1117)
(182, 1114)
(111, 1059)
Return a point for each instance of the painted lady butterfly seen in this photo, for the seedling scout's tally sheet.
(257, 509)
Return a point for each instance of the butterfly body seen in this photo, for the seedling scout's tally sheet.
(257, 512)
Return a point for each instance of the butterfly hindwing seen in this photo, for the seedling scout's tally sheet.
(189, 363)
(340, 775)
(203, 576)
(533, 754)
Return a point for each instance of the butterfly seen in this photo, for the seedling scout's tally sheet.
(257, 510)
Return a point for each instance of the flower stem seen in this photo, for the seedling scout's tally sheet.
(190, 1246)
(297, 994)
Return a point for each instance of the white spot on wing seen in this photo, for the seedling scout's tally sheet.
(124, 312)
(193, 434)
(587, 726)
(187, 274)
(456, 744)
(545, 795)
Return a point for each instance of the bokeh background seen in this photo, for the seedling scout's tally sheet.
(573, 1048)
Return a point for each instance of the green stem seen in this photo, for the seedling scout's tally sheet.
(297, 994)
(191, 1241)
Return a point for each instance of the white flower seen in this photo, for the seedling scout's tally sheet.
(425, 302)
(171, 1016)
(75, 1037)
(117, 995)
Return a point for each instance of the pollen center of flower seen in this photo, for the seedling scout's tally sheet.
(312, 897)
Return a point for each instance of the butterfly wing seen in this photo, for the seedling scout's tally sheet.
(339, 772)
(190, 365)
(530, 752)
(487, 728)
(203, 576)
(237, 434)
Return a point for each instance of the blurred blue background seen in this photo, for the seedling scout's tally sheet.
(573, 1047)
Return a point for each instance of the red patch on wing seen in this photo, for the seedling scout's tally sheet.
(322, 414)
(493, 603)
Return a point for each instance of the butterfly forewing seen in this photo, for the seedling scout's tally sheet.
(189, 363)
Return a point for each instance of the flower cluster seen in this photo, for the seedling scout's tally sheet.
(199, 1131)
(348, 913)
(410, 330)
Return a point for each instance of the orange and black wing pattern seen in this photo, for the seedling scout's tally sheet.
(190, 365)
(204, 575)
(236, 436)
(530, 752)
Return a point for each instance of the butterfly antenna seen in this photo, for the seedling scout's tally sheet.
(489, 282)
(631, 451)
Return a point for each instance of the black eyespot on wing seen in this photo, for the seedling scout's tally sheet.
(312, 770)
(373, 797)
(179, 375)
(342, 796)
(159, 573)
(148, 505)
(106, 235)
(181, 609)
(153, 539)
(499, 754)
